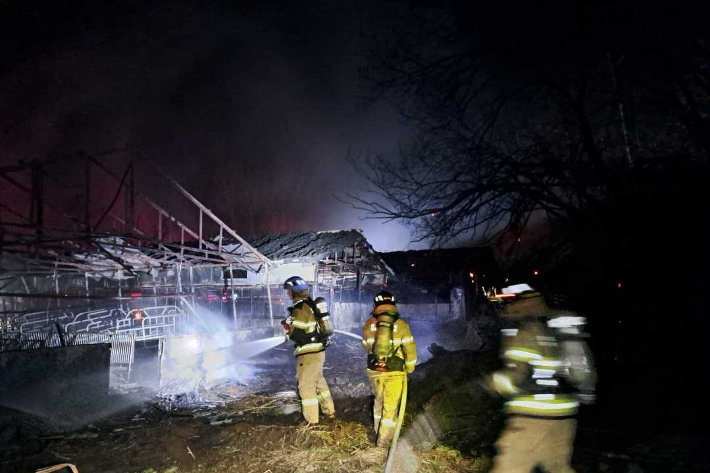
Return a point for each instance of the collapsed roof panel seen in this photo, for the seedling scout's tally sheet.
(307, 245)
(339, 246)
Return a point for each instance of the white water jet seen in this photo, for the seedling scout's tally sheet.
(353, 335)
(244, 351)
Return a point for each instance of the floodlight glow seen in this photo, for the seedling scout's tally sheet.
(194, 344)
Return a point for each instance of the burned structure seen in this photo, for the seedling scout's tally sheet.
(96, 259)
(67, 255)
(340, 266)
(87, 257)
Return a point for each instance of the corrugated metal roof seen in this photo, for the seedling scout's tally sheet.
(312, 246)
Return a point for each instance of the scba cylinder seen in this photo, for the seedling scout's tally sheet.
(323, 317)
(383, 337)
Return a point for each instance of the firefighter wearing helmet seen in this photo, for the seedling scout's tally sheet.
(549, 371)
(391, 355)
(304, 327)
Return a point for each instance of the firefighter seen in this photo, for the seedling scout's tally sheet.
(303, 329)
(391, 355)
(542, 398)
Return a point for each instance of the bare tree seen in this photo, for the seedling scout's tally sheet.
(549, 112)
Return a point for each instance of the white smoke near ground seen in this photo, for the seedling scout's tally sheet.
(210, 354)
(49, 410)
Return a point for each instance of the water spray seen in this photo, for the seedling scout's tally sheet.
(248, 350)
(349, 334)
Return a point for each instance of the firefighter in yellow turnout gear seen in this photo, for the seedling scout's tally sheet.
(542, 399)
(391, 355)
(303, 329)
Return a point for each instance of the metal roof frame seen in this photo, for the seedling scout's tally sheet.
(28, 245)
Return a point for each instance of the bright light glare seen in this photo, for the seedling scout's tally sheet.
(193, 344)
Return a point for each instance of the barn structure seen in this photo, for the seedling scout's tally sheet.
(133, 271)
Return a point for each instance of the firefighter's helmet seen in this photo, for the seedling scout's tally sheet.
(384, 297)
(520, 300)
(513, 292)
(296, 283)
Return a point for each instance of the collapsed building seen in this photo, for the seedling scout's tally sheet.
(127, 290)
(143, 284)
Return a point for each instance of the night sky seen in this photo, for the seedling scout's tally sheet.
(254, 108)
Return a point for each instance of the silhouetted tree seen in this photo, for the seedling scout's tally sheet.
(525, 109)
(597, 118)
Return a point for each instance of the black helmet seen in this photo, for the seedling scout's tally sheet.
(384, 297)
(296, 283)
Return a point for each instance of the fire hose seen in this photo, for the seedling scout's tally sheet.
(61, 466)
(398, 428)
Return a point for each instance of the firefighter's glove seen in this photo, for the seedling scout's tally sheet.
(326, 341)
(287, 326)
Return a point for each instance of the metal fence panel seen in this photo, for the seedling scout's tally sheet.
(122, 344)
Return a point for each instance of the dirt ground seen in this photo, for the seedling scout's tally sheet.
(450, 426)
(238, 427)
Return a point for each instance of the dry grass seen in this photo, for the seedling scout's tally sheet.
(256, 403)
(446, 460)
(345, 447)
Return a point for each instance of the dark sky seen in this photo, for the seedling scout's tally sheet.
(254, 108)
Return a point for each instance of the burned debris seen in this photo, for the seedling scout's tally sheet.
(127, 326)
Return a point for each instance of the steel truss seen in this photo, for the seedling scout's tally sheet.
(31, 245)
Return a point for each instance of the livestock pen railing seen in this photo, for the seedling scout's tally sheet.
(122, 344)
(152, 323)
(118, 327)
(149, 322)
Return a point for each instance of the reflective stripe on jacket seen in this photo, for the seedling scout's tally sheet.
(304, 331)
(531, 380)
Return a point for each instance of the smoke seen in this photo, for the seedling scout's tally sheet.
(248, 109)
(211, 353)
(85, 398)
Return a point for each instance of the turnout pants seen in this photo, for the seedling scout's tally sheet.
(527, 442)
(388, 392)
(312, 386)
